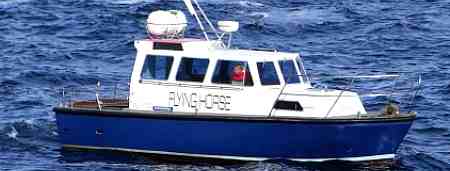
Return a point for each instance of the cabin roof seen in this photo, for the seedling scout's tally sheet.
(200, 48)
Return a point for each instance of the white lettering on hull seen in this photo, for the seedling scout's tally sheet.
(199, 101)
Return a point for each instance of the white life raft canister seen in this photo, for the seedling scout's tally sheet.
(166, 24)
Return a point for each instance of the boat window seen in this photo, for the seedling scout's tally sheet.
(267, 73)
(288, 105)
(289, 72)
(302, 69)
(232, 72)
(192, 69)
(157, 67)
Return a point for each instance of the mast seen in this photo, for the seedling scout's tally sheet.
(193, 12)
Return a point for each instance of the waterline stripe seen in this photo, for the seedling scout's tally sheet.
(362, 158)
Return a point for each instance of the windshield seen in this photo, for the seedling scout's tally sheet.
(290, 74)
(301, 68)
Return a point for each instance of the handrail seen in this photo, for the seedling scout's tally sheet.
(95, 92)
(276, 99)
(385, 76)
(413, 98)
(337, 99)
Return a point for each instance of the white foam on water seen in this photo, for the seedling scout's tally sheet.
(13, 133)
(260, 14)
(29, 121)
(300, 16)
(316, 16)
(249, 4)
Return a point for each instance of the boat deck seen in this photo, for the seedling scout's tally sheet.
(106, 103)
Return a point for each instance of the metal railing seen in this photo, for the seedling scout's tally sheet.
(402, 89)
(97, 92)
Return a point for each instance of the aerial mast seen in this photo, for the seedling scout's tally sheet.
(191, 10)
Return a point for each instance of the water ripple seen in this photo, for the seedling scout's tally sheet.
(48, 45)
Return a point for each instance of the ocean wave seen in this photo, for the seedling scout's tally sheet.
(57, 78)
(47, 45)
(130, 1)
(316, 16)
(28, 128)
(248, 4)
(9, 3)
(259, 14)
(429, 161)
(242, 3)
(374, 95)
(12, 133)
(432, 130)
(294, 21)
(27, 135)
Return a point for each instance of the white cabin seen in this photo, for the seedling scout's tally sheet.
(194, 76)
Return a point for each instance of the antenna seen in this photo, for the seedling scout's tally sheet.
(191, 10)
(228, 27)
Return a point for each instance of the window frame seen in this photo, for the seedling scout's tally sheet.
(301, 69)
(168, 71)
(295, 69)
(274, 70)
(180, 62)
(248, 67)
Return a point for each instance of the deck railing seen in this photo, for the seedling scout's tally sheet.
(400, 89)
(108, 90)
(376, 91)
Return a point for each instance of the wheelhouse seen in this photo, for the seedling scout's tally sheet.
(195, 76)
(176, 62)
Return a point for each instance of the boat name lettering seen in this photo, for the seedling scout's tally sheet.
(199, 101)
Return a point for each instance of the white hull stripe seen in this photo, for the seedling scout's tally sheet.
(363, 158)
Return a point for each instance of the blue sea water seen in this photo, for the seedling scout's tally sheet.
(46, 45)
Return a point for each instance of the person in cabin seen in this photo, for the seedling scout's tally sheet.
(238, 75)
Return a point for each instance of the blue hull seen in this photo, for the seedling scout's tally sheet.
(232, 138)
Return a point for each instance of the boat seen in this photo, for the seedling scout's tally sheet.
(203, 98)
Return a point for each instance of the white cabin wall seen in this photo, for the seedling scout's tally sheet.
(135, 78)
(349, 104)
(248, 101)
(317, 103)
(254, 100)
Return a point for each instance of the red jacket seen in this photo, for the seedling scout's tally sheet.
(238, 76)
